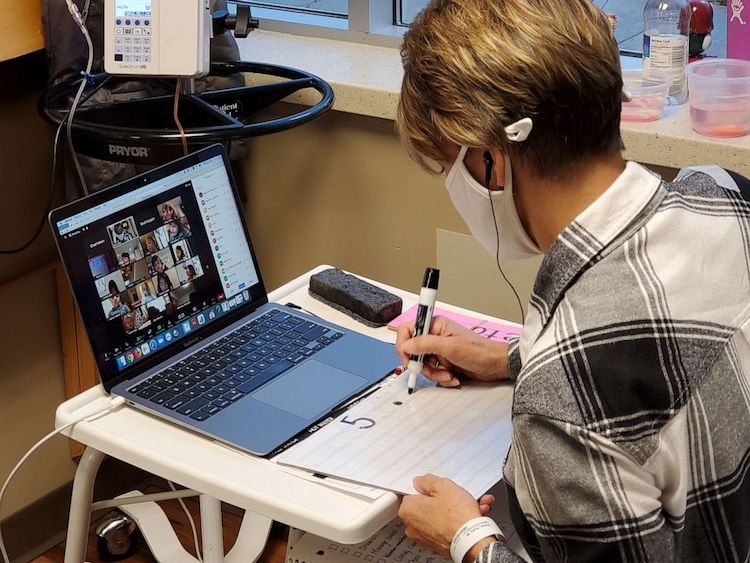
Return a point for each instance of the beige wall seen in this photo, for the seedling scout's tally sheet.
(31, 375)
(31, 387)
(342, 191)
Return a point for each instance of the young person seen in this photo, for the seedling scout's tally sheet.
(631, 412)
(167, 212)
(146, 294)
(177, 231)
(118, 307)
(163, 283)
(127, 273)
(151, 245)
(122, 233)
(179, 254)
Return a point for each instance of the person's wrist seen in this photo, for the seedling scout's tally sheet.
(501, 362)
(470, 535)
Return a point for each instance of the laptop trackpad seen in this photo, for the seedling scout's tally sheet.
(309, 390)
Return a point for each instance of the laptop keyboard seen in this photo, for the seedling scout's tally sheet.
(213, 378)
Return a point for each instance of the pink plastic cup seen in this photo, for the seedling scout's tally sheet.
(648, 96)
(720, 97)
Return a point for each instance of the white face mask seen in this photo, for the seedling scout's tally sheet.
(475, 203)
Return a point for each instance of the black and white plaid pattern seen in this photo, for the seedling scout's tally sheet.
(631, 416)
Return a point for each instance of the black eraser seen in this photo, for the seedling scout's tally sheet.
(359, 299)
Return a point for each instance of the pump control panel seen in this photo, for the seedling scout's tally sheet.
(157, 37)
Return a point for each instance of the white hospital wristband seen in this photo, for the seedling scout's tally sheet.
(470, 533)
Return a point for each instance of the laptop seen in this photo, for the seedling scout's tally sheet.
(178, 318)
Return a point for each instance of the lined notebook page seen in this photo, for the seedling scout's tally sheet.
(391, 437)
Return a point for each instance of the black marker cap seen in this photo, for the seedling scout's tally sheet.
(431, 277)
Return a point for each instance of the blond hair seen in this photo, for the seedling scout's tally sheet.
(472, 67)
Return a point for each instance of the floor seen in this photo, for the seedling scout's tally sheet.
(275, 549)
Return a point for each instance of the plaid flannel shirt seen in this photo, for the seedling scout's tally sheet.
(631, 410)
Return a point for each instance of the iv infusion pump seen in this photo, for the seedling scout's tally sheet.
(157, 37)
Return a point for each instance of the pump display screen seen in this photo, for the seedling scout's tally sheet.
(128, 8)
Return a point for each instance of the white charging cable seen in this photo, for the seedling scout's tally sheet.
(192, 523)
(88, 414)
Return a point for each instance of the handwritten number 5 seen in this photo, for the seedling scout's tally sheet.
(361, 419)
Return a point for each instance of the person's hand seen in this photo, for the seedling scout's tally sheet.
(432, 517)
(452, 350)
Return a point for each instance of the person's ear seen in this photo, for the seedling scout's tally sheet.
(494, 160)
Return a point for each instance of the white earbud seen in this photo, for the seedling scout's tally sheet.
(519, 131)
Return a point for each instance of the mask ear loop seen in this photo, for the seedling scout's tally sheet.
(488, 163)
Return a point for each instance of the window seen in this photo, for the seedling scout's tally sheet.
(407, 10)
(336, 8)
(365, 21)
(382, 21)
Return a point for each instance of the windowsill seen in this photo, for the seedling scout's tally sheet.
(367, 81)
(365, 78)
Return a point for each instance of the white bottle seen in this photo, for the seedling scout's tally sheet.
(666, 33)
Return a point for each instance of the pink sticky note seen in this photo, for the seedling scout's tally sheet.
(497, 331)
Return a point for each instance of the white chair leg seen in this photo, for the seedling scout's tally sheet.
(80, 505)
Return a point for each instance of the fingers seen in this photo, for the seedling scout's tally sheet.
(427, 484)
(446, 327)
(403, 334)
(487, 499)
(441, 376)
(485, 504)
(429, 344)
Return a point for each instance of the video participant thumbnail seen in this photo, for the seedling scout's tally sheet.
(178, 229)
(103, 288)
(117, 303)
(128, 252)
(182, 295)
(102, 264)
(135, 320)
(181, 251)
(143, 316)
(165, 281)
(122, 231)
(155, 240)
(160, 261)
(171, 210)
(190, 270)
(146, 292)
(134, 272)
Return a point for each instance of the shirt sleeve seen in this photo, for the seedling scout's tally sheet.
(583, 497)
(514, 359)
(727, 179)
(498, 552)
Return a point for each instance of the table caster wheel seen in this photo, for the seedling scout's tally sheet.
(116, 537)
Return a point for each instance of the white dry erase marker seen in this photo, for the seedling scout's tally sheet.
(427, 296)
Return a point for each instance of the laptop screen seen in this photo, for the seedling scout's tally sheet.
(157, 260)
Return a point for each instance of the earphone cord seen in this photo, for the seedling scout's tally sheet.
(487, 181)
(497, 261)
